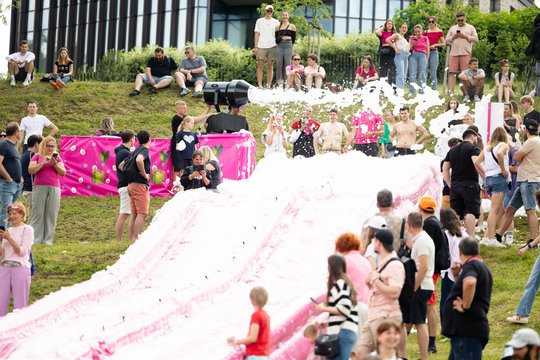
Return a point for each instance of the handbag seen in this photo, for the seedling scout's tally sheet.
(327, 345)
(385, 50)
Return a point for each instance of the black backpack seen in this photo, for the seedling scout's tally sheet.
(129, 167)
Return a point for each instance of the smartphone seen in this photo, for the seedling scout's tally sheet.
(55, 155)
(2, 227)
(198, 168)
(314, 301)
(458, 31)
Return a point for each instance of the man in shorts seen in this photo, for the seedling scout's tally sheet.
(122, 152)
(157, 73)
(463, 184)
(461, 38)
(472, 81)
(139, 188)
(192, 72)
(528, 182)
(21, 65)
(265, 45)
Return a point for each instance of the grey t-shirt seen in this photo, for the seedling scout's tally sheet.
(189, 64)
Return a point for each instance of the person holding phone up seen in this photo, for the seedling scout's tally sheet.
(195, 176)
(47, 167)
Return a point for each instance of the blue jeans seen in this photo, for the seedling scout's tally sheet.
(9, 193)
(466, 348)
(433, 65)
(64, 79)
(496, 184)
(402, 63)
(531, 289)
(524, 195)
(417, 69)
(347, 339)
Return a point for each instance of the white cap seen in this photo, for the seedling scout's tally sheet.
(376, 222)
(524, 337)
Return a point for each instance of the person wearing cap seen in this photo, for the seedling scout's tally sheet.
(331, 133)
(463, 183)
(525, 345)
(374, 224)
(433, 227)
(15, 247)
(467, 306)
(528, 183)
(423, 254)
(265, 46)
(386, 283)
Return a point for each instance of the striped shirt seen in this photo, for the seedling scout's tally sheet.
(340, 298)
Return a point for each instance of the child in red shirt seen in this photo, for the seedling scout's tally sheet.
(258, 340)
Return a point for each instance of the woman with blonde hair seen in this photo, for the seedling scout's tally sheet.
(107, 128)
(62, 69)
(47, 167)
(211, 164)
(275, 137)
(495, 159)
(15, 247)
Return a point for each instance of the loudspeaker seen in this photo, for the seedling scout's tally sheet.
(234, 93)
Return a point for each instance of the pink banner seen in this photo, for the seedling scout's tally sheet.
(91, 170)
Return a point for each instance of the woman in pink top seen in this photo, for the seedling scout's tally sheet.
(365, 73)
(295, 73)
(436, 41)
(15, 248)
(386, 52)
(418, 60)
(47, 167)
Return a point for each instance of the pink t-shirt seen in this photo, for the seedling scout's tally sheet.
(47, 176)
(434, 36)
(380, 305)
(386, 35)
(365, 121)
(24, 236)
(421, 45)
(289, 68)
(358, 269)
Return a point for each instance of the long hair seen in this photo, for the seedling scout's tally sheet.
(457, 105)
(107, 125)
(59, 59)
(450, 221)
(184, 122)
(499, 135)
(368, 58)
(337, 270)
(208, 154)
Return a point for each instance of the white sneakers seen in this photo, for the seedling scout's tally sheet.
(518, 319)
(466, 98)
(26, 82)
(509, 238)
(13, 82)
(491, 242)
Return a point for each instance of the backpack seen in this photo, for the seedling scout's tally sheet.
(442, 254)
(129, 165)
(407, 291)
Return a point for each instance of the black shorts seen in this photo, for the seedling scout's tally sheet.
(368, 149)
(404, 151)
(465, 198)
(419, 306)
(21, 75)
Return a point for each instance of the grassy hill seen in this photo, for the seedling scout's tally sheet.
(85, 237)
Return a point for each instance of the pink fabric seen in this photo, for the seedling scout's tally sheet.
(434, 37)
(91, 170)
(358, 268)
(25, 243)
(421, 45)
(386, 35)
(288, 68)
(365, 121)
(47, 175)
(380, 305)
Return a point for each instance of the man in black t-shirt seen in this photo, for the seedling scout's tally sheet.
(463, 183)
(122, 152)
(10, 170)
(33, 147)
(527, 103)
(157, 73)
(467, 306)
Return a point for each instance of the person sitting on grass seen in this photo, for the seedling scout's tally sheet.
(21, 65)
(503, 82)
(295, 73)
(314, 73)
(365, 73)
(62, 69)
(472, 81)
(107, 128)
(258, 340)
(192, 72)
(157, 73)
(15, 247)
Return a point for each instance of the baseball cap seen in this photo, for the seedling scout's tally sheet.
(376, 222)
(531, 124)
(469, 132)
(385, 236)
(524, 337)
(427, 203)
(269, 7)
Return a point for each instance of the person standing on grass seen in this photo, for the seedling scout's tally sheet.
(47, 166)
(122, 152)
(139, 188)
(265, 46)
(33, 124)
(467, 306)
(406, 131)
(34, 141)
(436, 42)
(10, 170)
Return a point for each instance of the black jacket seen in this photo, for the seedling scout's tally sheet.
(533, 50)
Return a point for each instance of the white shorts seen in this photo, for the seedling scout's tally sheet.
(125, 207)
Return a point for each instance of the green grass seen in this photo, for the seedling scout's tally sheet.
(84, 241)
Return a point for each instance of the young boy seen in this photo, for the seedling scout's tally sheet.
(310, 333)
(258, 340)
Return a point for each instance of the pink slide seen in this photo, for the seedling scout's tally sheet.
(183, 287)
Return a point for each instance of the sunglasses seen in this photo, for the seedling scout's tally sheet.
(431, 21)
(460, 20)
(269, 10)
(295, 59)
(3, 135)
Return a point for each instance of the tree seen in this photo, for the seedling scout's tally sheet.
(5, 7)
(300, 11)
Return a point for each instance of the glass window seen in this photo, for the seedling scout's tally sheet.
(167, 30)
(45, 19)
(139, 31)
(155, 4)
(341, 7)
(405, 4)
(237, 32)
(31, 5)
(168, 5)
(340, 26)
(218, 30)
(31, 16)
(181, 32)
(367, 26)
(46, 4)
(201, 26)
(354, 8)
(30, 39)
(183, 4)
(354, 26)
(367, 9)
(43, 52)
(327, 24)
(380, 12)
(153, 29)
(394, 6)
(140, 7)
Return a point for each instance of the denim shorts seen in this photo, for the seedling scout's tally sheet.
(524, 195)
(156, 78)
(496, 184)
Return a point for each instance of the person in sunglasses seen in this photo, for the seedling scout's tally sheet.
(295, 73)
(265, 45)
(192, 72)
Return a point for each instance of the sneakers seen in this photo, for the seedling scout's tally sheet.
(135, 93)
(491, 242)
(13, 82)
(509, 237)
(26, 82)
(432, 350)
(59, 83)
(466, 98)
(184, 91)
(476, 98)
(197, 94)
(153, 90)
(518, 319)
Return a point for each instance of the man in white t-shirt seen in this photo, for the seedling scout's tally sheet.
(423, 254)
(21, 64)
(33, 124)
(265, 45)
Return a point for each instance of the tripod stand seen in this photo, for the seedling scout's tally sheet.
(530, 74)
